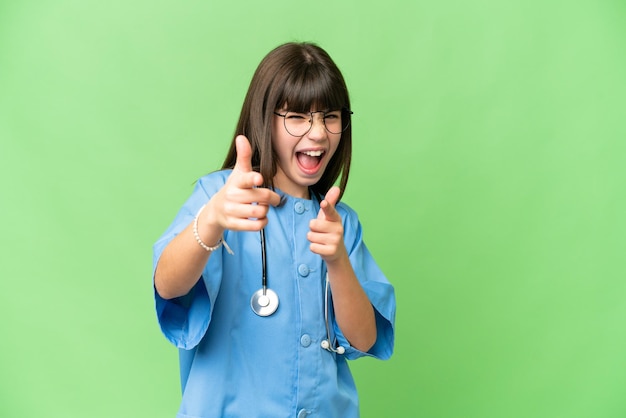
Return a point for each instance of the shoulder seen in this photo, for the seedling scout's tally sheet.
(349, 216)
(211, 183)
(345, 210)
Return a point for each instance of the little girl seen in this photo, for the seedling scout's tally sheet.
(263, 280)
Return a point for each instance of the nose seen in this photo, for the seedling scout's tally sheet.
(318, 129)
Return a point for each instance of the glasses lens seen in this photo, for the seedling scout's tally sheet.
(336, 122)
(297, 124)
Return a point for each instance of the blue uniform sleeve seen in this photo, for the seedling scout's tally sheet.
(184, 320)
(377, 288)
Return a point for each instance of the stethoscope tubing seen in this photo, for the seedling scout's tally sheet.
(263, 262)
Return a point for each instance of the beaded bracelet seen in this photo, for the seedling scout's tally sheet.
(202, 244)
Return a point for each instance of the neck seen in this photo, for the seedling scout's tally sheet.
(287, 186)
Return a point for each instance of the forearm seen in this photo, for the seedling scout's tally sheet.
(353, 310)
(180, 266)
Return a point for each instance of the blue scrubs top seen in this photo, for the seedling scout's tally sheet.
(234, 363)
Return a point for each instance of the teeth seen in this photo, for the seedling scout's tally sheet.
(313, 153)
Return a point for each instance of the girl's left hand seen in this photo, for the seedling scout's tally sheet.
(326, 232)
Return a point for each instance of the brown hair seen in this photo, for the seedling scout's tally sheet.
(299, 75)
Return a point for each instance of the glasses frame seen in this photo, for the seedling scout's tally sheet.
(344, 112)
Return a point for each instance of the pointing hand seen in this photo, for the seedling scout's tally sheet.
(326, 232)
(241, 204)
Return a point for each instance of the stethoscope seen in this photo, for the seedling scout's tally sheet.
(264, 302)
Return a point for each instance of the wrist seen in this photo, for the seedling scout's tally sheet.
(209, 235)
(339, 259)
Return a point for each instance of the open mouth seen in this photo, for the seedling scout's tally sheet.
(310, 161)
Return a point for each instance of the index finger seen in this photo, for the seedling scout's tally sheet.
(269, 196)
(327, 205)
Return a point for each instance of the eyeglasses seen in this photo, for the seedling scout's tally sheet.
(299, 124)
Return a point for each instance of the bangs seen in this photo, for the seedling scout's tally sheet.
(313, 87)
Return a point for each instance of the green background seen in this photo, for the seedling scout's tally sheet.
(488, 174)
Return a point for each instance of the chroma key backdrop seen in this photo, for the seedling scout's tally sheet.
(488, 173)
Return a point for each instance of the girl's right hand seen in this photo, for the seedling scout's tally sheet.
(240, 205)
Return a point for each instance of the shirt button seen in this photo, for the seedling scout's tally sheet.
(299, 208)
(303, 413)
(303, 270)
(305, 340)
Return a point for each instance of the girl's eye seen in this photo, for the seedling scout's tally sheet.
(332, 116)
(296, 116)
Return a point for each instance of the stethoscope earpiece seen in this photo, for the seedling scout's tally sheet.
(326, 346)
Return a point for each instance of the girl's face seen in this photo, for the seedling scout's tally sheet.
(302, 159)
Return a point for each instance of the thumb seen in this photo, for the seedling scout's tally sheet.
(327, 205)
(244, 154)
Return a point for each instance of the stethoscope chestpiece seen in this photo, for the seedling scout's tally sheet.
(264, 302)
